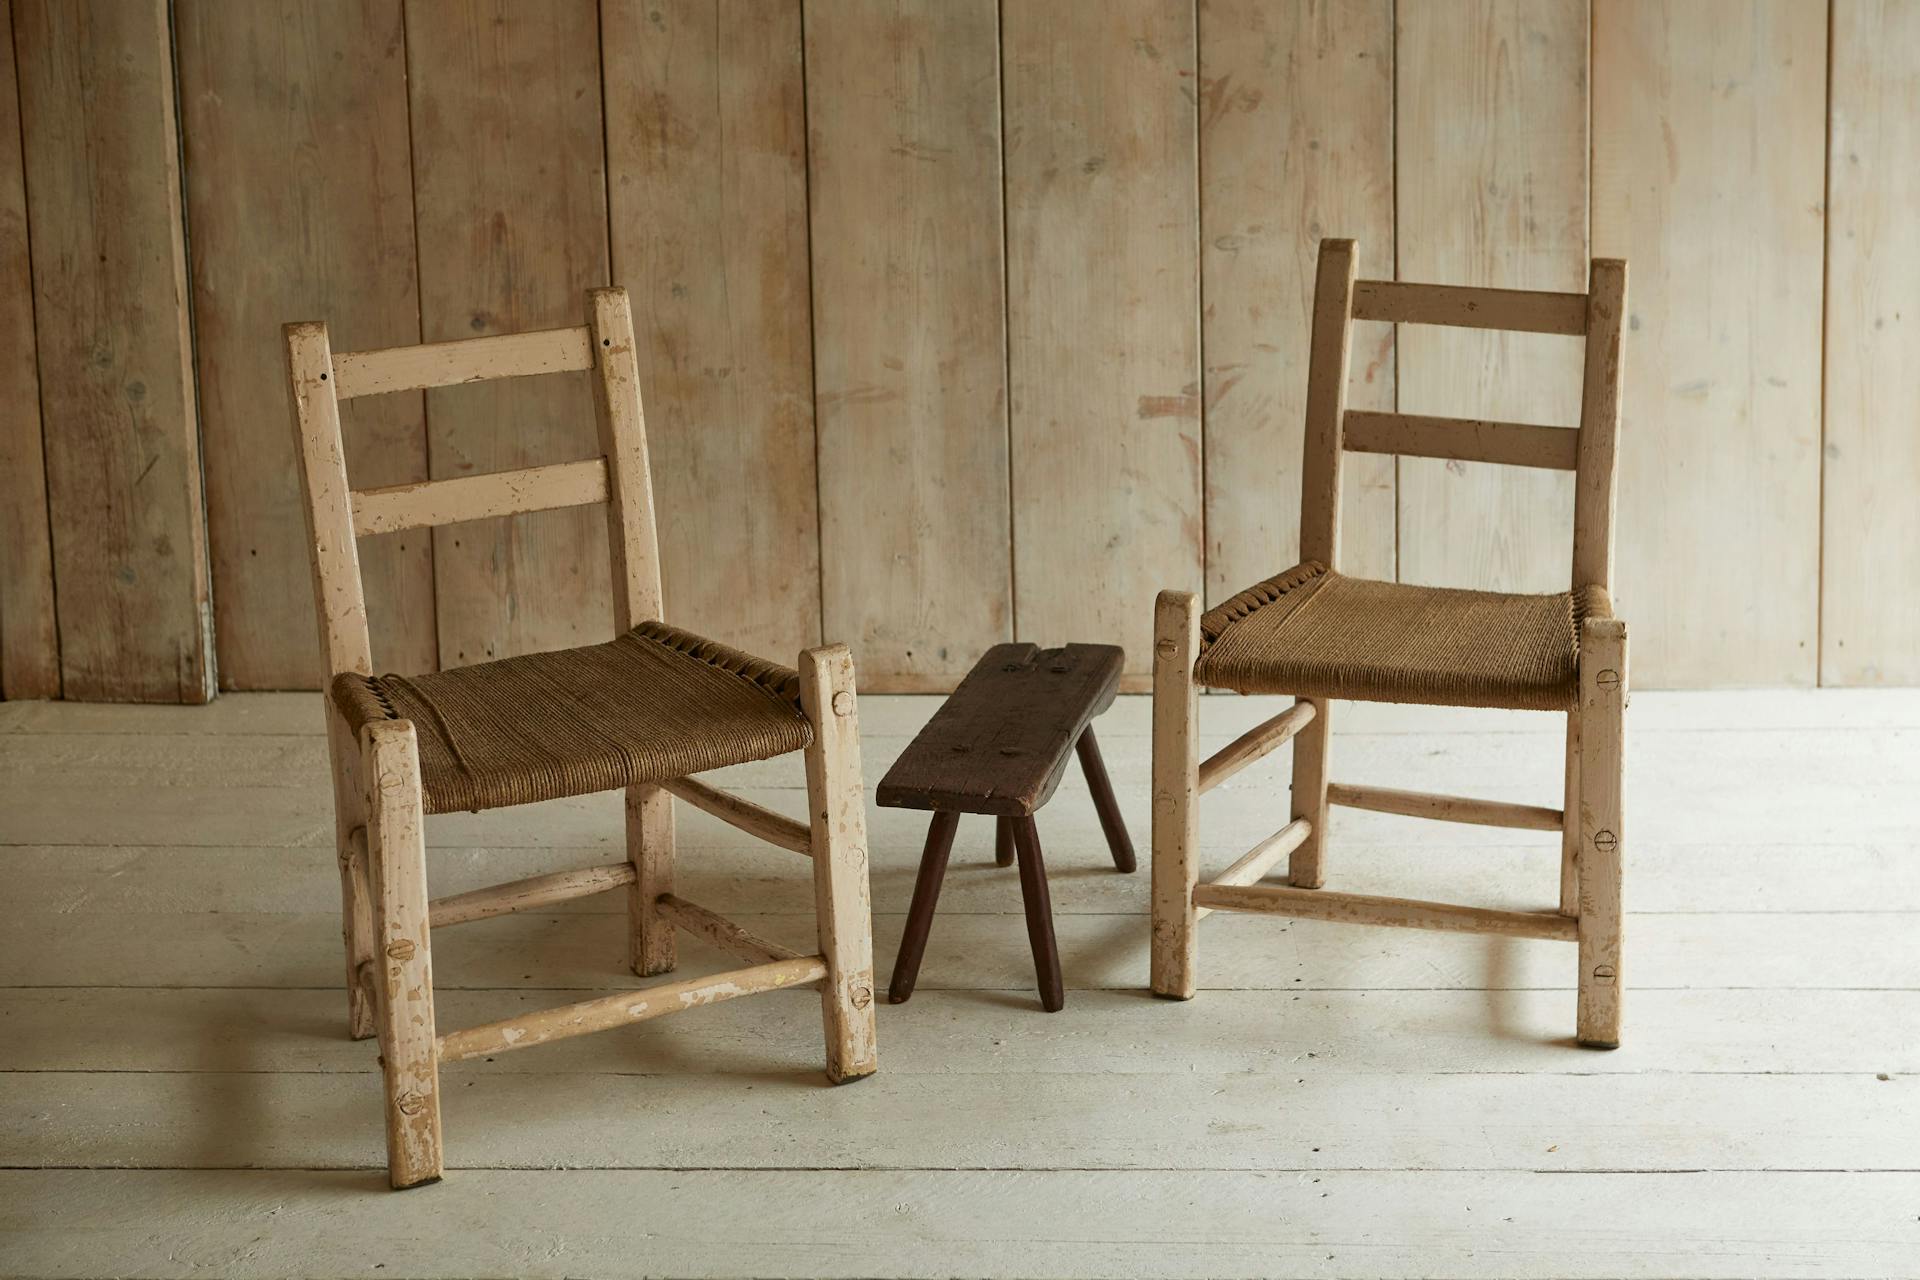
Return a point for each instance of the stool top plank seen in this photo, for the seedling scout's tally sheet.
(1000, 744)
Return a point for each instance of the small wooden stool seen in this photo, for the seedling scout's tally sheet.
(999, 746)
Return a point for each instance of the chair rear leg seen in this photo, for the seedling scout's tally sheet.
(651, 945)
(1306, 867)
(356, 895)
(836, 806)
(1176, 785)
(397, 853)
(1570, 822)
(1603, 689)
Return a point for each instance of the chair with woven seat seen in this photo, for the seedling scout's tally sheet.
(1318, 635)
(639, 713)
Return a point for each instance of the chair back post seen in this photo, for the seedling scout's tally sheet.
(339, 598)
(1596, 469)
(1326, 402)
(632, 541)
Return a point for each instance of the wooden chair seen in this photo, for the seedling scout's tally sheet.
(1319, 635)
(639, 713)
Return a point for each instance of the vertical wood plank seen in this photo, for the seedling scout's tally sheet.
(1102, 317)
(511, 207)
(1296, 144)
(110, 314)
(1708, 178)
(1870, 548)
(706, 150)
(1491, 123)
(903, 117)
(29, 642)
(314, 93)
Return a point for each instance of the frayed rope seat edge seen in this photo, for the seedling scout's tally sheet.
(654, 704)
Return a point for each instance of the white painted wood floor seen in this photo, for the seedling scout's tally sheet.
(180, 1098)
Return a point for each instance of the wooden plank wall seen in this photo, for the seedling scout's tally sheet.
(1870, 548)
(121, 429)
(959, 320)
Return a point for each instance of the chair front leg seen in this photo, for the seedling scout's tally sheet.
(1306, 866)
(836, 804)
(409, 1049)
(356, 895)
(1176, 786)
(651, 945)
(1603, 700)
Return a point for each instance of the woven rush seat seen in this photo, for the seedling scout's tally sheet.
(1317, 633)
(654, 704)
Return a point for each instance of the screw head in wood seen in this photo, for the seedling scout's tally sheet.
(862, 997)
(1603, 973)
(1165, 648)
(1608, 679)
(411, 1103)
(1605, 841)
(843, 703)
(401, 950)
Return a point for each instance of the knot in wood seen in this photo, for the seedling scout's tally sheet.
(1605, 841)
(401, 950)
(843, 703)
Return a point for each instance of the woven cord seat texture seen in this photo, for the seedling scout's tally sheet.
(654, 704)
(1316, 633)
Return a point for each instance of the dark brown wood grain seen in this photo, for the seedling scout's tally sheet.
(1001, 742)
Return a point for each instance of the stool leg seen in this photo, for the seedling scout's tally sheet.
(1003, 842)
(926, 896)
(1033, 888)
(1119, 844)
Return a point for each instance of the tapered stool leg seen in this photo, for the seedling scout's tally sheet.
(1033, 888)
(926, 896)
(1118, 842)
(1003, 842)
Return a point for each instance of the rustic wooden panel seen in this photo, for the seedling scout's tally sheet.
(511, 206)
(313, 92)
(903, 118)
(1491, 121)
(1103, 333)
(1296, 143)
(1870, 548)
(29, 644)
(1708, 179)
(706, 145)
(110, 291)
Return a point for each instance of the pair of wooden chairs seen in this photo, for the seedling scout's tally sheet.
(639, 713)
(1319, 635)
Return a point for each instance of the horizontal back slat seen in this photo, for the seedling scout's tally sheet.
(442, 364)
(1513, 444)
(498, 493)
(1518, 310)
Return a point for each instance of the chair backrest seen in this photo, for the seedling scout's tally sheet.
(1587, 451)
(337, 515)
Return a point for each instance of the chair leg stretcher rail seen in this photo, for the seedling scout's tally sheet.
(1250, 746)
(1255, 862)
(774, 828)
(629, 1006)
(1399, 913)
(1443, 808)
(720, 932)
(534, 891)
